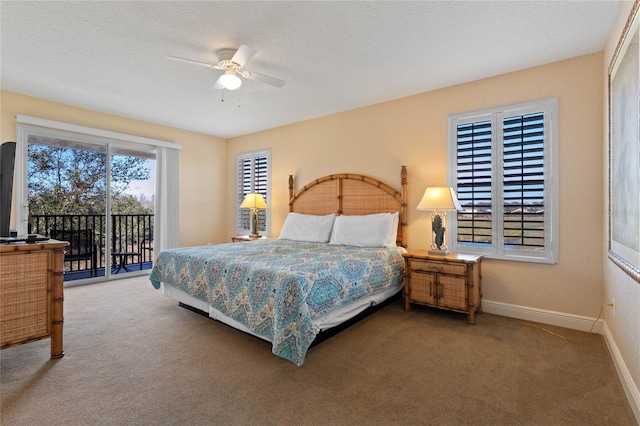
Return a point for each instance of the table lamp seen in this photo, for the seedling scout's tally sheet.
(439, 200)
(254, 202)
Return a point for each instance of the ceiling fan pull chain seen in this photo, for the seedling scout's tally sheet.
(222, 95)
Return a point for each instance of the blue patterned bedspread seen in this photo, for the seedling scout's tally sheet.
(276, 287)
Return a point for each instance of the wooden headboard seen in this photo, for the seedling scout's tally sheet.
(352, 194)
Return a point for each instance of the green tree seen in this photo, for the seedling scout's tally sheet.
(66, 180)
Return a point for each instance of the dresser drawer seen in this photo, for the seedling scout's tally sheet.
(438, 267)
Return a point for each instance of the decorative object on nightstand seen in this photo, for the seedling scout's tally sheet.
(452, 282)
(439, 200)
(254, 202)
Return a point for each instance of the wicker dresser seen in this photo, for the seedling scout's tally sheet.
(452, 282)
(31, 294)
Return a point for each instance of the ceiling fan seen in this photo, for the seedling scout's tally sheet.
(232, 61)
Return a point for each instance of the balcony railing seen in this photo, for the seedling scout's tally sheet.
(131, 241)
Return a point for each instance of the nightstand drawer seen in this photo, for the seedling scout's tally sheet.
(438, 267)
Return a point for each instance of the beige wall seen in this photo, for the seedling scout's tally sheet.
(378, 139)
(202, 160)
(625, 327)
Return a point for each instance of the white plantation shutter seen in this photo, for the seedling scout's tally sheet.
(243, 188)
(503, 168)
(523, 191)
(474, 186)
(253, 176)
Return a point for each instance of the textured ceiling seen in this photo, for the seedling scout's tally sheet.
(334, 56)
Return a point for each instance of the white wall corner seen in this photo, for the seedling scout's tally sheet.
(630, 388)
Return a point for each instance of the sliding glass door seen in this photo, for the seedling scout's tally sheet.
(113, 196)
(97, 195)
(131, 210)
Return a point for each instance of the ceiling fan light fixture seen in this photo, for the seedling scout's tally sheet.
(230, 81)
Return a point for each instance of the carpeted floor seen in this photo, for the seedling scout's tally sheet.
(134, 357)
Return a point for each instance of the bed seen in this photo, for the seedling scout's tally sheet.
(339, 253)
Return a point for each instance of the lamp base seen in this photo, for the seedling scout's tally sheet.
(439, 252)
(255, 236)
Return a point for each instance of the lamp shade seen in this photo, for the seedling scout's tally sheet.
(439, 198)
(253, 201)
(230, 81)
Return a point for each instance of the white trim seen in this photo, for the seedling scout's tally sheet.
(21, 207)
(630, 388)
(560, 319)
(58, 125)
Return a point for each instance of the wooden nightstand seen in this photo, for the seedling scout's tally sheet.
(242, 238)
(452, 282)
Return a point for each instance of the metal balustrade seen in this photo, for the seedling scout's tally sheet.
(131, 242)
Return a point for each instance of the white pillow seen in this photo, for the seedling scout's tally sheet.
(374, 230)
(393, 239)
(307, 227)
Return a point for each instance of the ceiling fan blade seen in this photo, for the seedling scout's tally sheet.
(218, 84)
(175, 58)
(272, 81)
(243, 55)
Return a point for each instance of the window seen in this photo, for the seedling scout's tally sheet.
(503, 167)
(254, 176)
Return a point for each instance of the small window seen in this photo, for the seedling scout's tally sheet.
(253, 176)
(503, 168)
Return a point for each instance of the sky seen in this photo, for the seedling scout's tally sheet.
(146, 187)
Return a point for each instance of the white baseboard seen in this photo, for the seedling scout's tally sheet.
(630, 388)
(561, 319)
(574, 322)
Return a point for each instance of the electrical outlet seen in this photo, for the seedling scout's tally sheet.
(613, 307)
